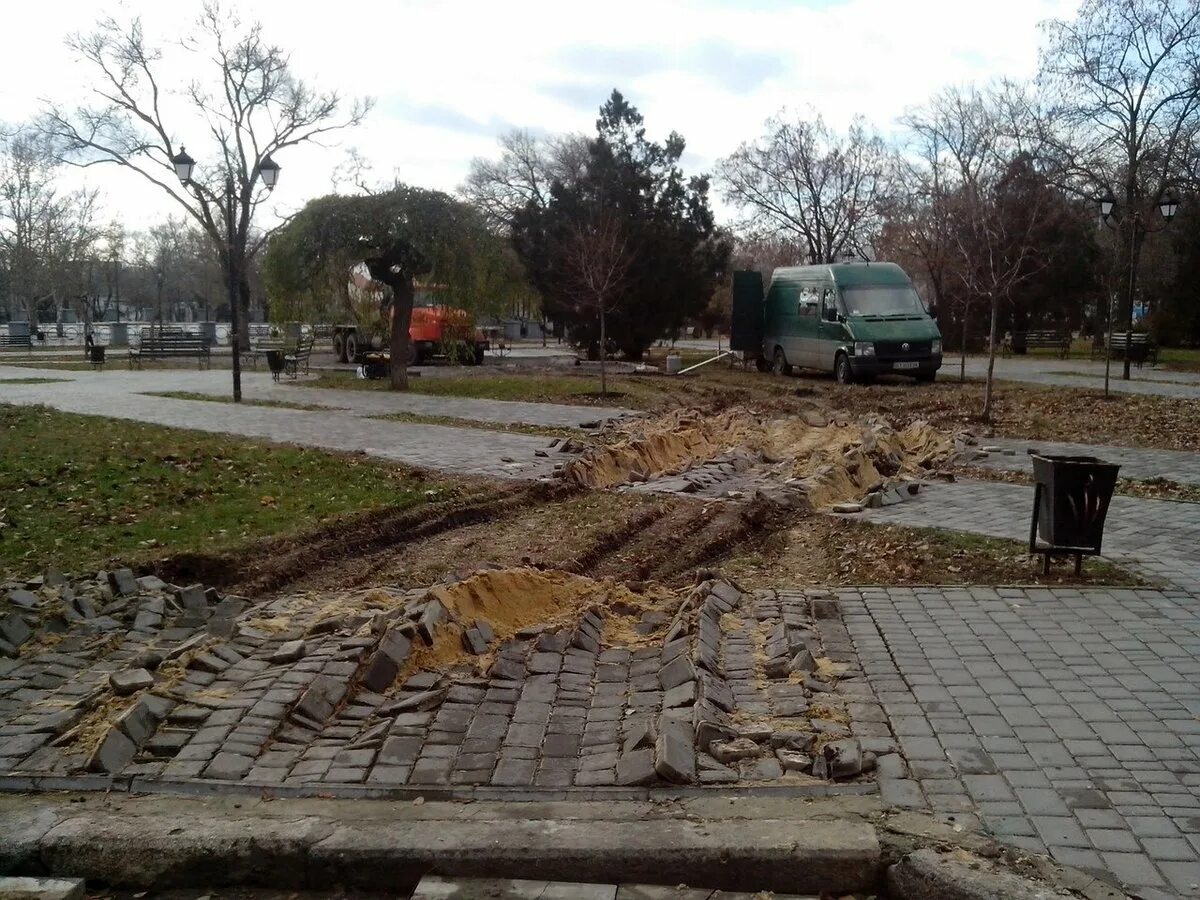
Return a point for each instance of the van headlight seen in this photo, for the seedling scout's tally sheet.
(864, 348)
(937, 347)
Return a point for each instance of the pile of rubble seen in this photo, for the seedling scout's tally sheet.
(812, 460)
(511, 677)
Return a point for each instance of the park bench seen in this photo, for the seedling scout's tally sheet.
(172, 344)
(16, 340)
(1047, 339)
(296, 362)
(1141, 348)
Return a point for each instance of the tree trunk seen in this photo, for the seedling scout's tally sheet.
(603, 355)
(962, 349)
(987, 390)
(402, 304)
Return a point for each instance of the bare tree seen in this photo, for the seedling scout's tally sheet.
(525, 171)
(45, 231)
(806, 184)
(597, 260)
(1124, 82)
(245, 103)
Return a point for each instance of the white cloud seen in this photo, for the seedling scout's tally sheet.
(449, 73)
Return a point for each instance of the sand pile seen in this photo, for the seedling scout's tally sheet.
(828, 460)
(519, 601)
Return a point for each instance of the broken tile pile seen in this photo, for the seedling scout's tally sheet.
(122, 675)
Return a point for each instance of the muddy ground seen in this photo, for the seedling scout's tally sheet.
(627, 537)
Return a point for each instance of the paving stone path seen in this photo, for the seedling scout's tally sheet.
(392, 689)
(1139, 463)
(121, 395)
(1157, 538)
(1065, 720)
(1082, 373)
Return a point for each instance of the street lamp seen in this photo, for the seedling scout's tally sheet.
(268, 170)
(1110, 209)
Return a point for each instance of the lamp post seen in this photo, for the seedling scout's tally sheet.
(268, 170)
(1110, 209)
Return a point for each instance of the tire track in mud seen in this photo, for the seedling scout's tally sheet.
(273, 564)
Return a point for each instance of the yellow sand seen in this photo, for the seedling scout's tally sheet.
(513, 599)
(833, 462)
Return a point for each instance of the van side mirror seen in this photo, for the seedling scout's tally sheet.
(933, 311)
(832, 315)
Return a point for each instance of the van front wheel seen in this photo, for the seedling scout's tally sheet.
(781, 366)
(842, 371)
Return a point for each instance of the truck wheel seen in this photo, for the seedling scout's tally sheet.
(762, 364)
(842, 371)
(351, 346)
(781, 366)
(479, 356)
(339, 346)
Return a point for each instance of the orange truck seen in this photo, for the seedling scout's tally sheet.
(435, 330)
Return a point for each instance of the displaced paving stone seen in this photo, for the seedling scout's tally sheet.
(22, 598)
(123, 582)
(731, 751)
(322, 697)
(113, 754)
(676, 672)
(793, 760)
(14, 631)
(636, 768)
(291, 651)
(928, 873)
(674, 755)
(680, 695)
(130, 681)
(474, 642)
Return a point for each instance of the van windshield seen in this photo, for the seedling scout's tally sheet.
(882, 300)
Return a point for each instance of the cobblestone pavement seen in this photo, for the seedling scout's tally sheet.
(1136, 462)
(259, 386)
(1066, 720)
(393, 688)
(118, 395)
(1157, 538)
(1082, 373)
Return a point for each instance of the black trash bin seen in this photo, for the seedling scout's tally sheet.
(96, 355)
(1070, 503)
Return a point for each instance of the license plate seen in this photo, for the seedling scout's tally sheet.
(905, 365)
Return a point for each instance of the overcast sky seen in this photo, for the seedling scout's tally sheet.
(449, 76)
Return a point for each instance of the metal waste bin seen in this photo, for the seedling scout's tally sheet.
(1070, 502)
(96, 355)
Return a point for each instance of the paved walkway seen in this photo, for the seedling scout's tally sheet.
(122, 395)
(1068, 721)
(1136, 462)
(1158, 538)
(1083, 373)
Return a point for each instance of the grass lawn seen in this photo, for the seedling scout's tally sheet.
(33, 380)
(213, 398)
(582, 390)
(79, 491)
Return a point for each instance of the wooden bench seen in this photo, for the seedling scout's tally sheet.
(296, 362)
(25, 341)
(164, 344)
(1141, 348)
(1047, 339)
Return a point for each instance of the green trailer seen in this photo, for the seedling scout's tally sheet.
(854, 320)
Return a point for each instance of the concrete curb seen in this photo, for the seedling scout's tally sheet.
(157, 843)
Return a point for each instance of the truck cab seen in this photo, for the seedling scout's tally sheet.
(854, 320)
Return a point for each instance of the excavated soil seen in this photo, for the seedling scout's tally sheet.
(829, 459)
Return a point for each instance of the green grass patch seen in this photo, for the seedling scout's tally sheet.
(53, 364)
(34, 380)
(77, 491)
(214, 398)
(455, 422)
(579, 390)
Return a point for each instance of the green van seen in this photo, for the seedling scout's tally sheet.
(856, 320)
